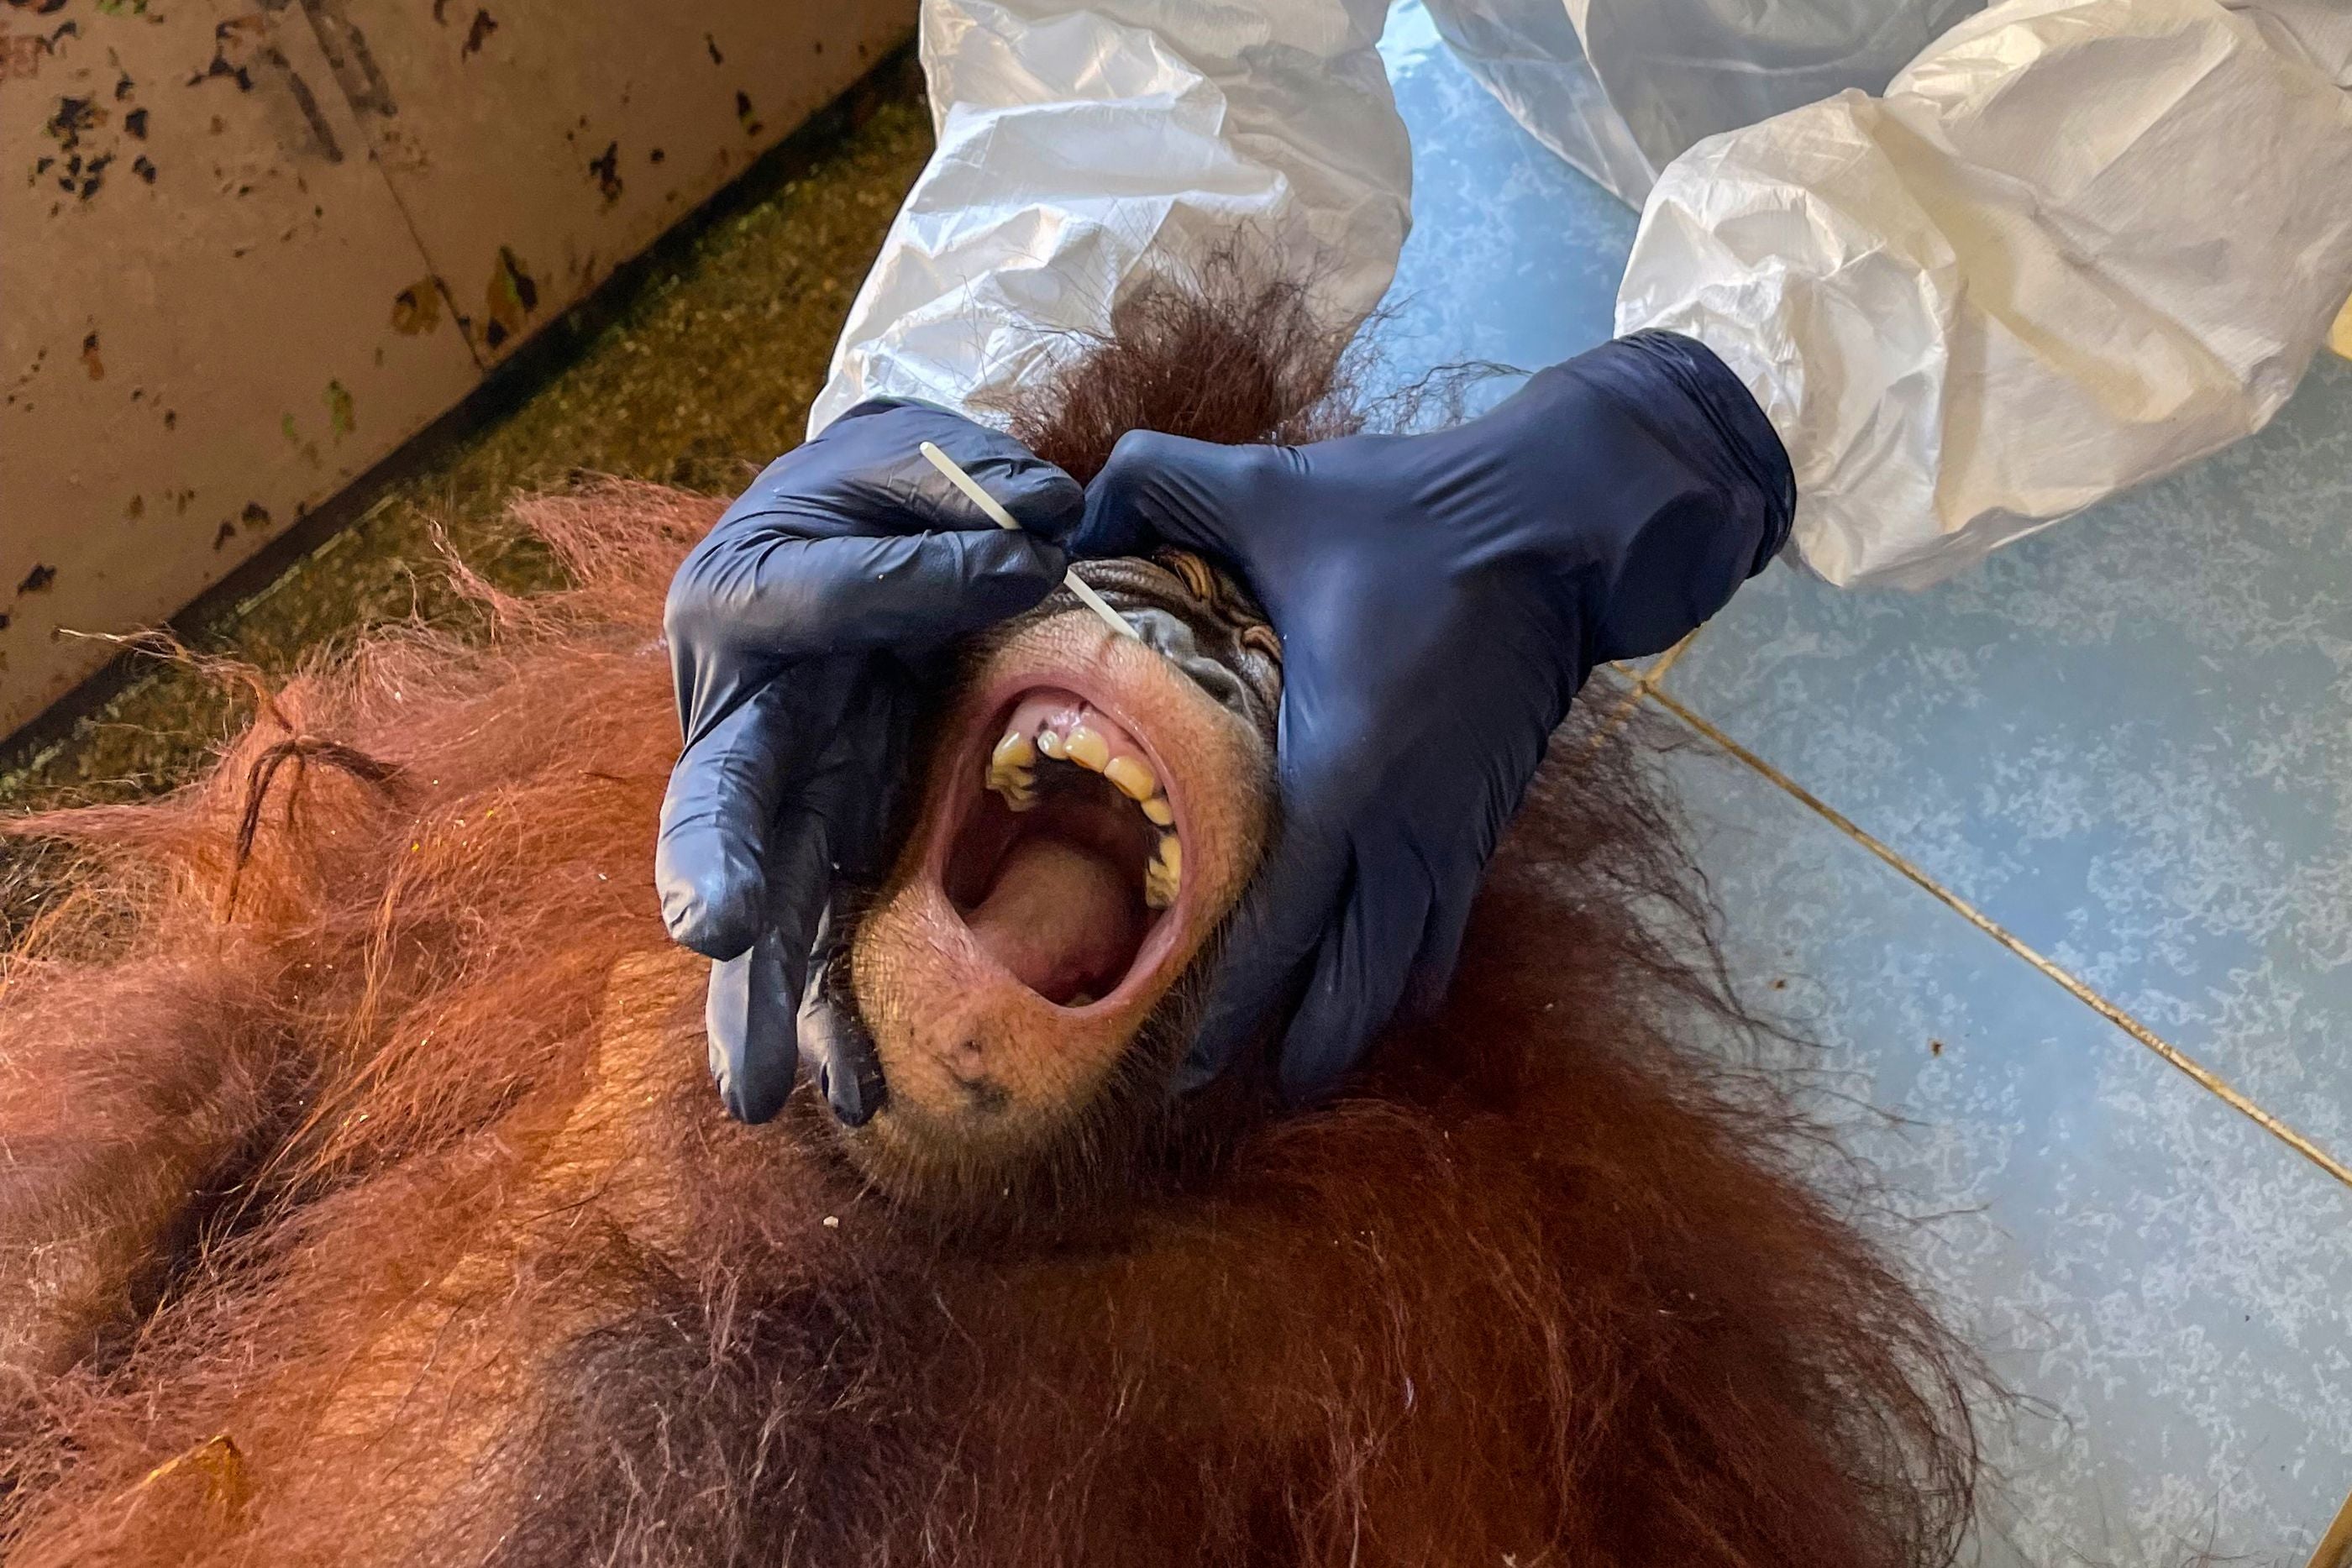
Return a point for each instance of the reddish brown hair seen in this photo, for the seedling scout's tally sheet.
(365, 1200)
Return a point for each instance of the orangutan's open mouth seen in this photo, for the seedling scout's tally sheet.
(1065, 847)
(1092, 810)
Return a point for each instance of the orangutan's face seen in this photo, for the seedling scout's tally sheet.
(1093, 810)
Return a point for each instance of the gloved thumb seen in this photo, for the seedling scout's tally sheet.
(1169, 489)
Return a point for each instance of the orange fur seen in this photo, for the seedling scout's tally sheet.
(383, 1213)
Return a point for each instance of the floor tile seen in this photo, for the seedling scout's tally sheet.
(1514, 256)
(2126, 739)
(2164, 1281)
(2129, 740)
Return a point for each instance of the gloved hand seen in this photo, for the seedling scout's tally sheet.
(1439, 598)
(790, 629)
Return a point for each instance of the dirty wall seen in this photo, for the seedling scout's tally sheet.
(246, 252)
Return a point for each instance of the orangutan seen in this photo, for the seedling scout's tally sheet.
(363, 1198)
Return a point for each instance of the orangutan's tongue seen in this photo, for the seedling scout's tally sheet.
(1060, 918)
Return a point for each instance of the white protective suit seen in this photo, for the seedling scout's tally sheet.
(1980, 266)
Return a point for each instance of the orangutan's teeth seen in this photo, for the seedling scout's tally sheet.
(1161, 814)
(1135, 780)
(1013, 751)
(1009, 771)
(1049, 741)
(1018, 786)
(1087, 749)
(1163, 875)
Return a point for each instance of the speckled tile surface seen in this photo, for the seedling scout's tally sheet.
(2130, 742)
(2160, 1281)
(1514, 256)
(2128, 739)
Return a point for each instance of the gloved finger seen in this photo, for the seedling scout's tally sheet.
(710, 860)
(749, 1013)
(1277, 928)
(785, 600)
(832, 1041)
(834, 814)
(1360, 976)
(835, 1041)
(1170, 489)
(879, 442)
(747, 1018)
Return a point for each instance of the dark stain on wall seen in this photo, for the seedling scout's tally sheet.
(232, 36)
(417, 308)
(74, 117)
(37, 580)
(513, 295)
(478, 33)
(606, 170)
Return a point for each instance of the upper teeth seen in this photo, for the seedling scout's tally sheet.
(1135, 780)
(1009, 771)
(1012, 773)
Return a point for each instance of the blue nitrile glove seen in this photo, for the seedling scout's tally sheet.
(789, 628)
(1439, 598)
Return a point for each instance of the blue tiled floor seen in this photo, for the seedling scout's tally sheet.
(2128, 742)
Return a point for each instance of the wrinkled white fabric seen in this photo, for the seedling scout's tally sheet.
(2077, 244)
(1081, 146)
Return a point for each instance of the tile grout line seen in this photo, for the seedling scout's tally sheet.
(2204, 1076)
(2334, 1549)
(1638, 686)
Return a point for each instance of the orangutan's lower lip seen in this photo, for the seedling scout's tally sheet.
(1063, 849)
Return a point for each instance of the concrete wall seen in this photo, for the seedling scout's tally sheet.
(245, 253)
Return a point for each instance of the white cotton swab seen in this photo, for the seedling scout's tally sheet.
(1004, 519)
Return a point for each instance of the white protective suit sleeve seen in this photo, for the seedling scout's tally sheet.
(2075, 245)
(1083, 145)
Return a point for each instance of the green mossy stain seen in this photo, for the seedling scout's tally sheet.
(338, 409)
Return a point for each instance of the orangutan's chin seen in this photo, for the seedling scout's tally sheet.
(1093, 809)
